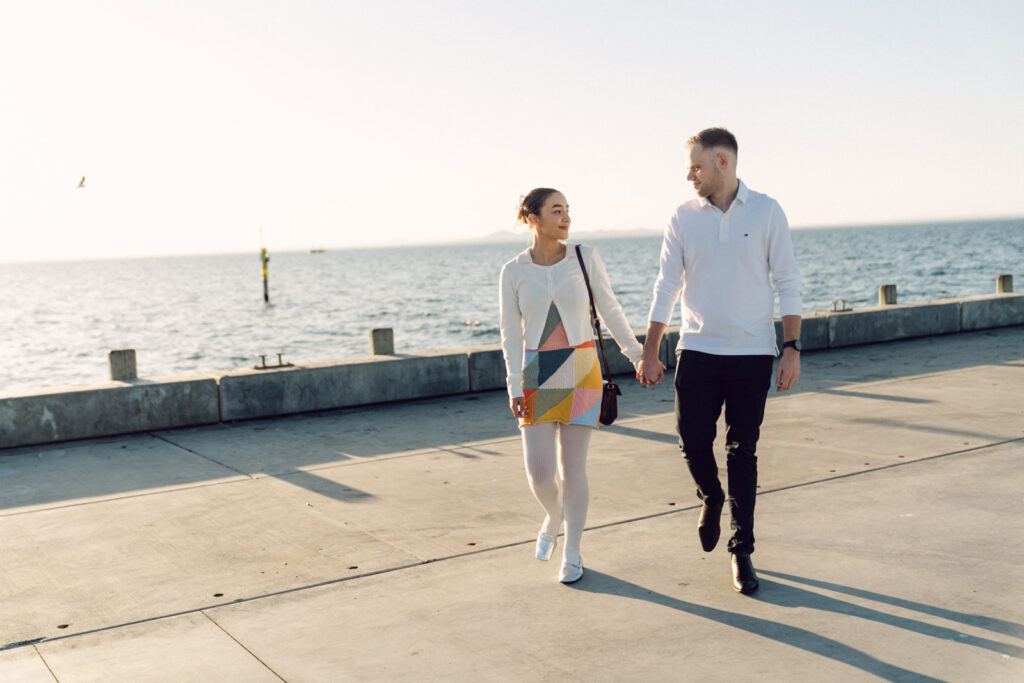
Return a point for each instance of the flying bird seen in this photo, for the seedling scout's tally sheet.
(81, 183)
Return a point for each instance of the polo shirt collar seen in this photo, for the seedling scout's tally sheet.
(742, 194)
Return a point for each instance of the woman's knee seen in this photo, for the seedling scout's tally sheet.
(541, 466)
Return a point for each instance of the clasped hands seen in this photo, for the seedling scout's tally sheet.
(650, 371)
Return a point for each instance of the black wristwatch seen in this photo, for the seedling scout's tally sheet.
(793, 344)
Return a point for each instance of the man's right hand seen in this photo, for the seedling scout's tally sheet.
(650, 371)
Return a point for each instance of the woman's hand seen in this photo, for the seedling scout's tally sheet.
(518, 406)
(650, 371)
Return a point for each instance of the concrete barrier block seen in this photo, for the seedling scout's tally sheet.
(813, 332)
(668, 346)
(618, 363)
(888, 323)
(999, 310)
(486, 367)
(246, 394)
(83, 412)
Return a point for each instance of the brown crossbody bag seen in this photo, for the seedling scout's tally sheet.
(611, 392)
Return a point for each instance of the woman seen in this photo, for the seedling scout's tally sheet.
(554, 379)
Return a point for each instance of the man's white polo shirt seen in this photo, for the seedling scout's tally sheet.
(728, 266)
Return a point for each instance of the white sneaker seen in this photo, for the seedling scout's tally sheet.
(571, 571)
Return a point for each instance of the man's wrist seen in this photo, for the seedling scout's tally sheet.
(793, 344)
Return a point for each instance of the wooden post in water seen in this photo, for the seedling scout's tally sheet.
(887, 295)
(122, 365)
(265, 259)
(1004, 284)
(382, 341)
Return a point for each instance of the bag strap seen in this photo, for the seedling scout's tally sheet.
(594, 320)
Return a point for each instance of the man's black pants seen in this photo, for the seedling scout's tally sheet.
(704, 383)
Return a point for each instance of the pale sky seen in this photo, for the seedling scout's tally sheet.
(347, 123)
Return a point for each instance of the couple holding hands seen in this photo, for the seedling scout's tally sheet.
(728, 252)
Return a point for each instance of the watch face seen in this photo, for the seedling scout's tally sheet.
(794, 344)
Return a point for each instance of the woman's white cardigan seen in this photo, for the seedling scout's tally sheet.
(527, 291)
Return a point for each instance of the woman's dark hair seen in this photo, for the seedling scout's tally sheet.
(533, 202)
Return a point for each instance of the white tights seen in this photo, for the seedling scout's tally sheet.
(544, 446)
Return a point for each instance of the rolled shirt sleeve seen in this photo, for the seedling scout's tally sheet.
(782, 262)
(670, 276)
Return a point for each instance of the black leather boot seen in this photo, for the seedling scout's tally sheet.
(709, 527)
(744, 580)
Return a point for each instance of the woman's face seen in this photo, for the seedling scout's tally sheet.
(553, 221)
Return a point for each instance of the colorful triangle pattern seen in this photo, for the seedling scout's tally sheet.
(588, 417)
(561, 383)
(554, 320)
(553, 405)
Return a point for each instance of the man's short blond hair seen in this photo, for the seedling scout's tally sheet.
(715, 137)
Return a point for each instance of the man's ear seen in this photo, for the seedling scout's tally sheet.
(722, 159)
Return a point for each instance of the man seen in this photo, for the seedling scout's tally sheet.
(729, 251)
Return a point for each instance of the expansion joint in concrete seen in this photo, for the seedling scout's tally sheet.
(197, 453)
(240, 644)
(914, 461)
(42, 658)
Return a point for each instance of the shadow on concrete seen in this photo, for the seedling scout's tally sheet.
(877, 397)
(643, 434)
(323, 486)
(1008, 628)
(831, 369)
(932, 429)
(784, 595)
(597, 582)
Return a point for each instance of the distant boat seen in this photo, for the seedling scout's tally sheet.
(316, 250)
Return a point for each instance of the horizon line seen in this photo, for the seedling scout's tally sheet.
(494, 237)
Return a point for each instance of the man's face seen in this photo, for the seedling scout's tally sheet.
(704, 172)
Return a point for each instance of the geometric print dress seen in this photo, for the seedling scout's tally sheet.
(561, 383)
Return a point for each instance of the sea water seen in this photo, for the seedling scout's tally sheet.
(193, 314)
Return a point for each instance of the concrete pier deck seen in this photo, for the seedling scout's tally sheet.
(395, 543)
